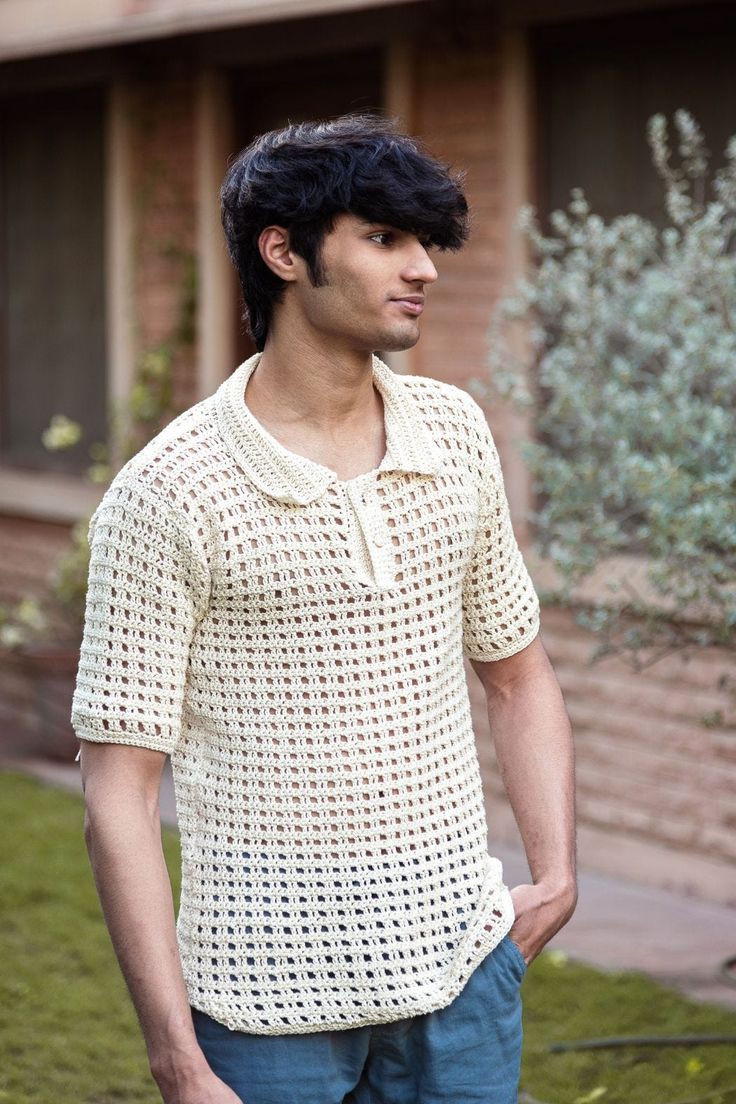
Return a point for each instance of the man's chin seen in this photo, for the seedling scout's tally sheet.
(394, 342)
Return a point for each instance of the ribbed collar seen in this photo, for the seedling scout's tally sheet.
(285, 475)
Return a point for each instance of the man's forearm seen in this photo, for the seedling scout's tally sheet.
(124, 844)
(534, 746)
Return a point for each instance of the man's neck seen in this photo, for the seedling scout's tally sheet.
(323, 390)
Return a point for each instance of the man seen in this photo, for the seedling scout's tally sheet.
(282, 587)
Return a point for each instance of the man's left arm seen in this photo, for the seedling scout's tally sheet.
(531, 731)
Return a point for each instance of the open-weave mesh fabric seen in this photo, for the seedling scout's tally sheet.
(296, 643)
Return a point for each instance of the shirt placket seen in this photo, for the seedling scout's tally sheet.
(371, 553)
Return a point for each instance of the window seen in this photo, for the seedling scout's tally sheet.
(52, 286)
(597, 84)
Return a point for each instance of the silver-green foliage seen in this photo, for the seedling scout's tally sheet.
(631, 341)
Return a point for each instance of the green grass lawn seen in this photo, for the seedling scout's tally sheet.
(69, 1035)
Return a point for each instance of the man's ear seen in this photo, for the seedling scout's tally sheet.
(275, 248)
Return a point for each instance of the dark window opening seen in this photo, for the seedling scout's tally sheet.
(52, 285)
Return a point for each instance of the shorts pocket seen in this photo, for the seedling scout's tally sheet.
(517, 953)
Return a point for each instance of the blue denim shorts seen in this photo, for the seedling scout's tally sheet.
(468, 1052)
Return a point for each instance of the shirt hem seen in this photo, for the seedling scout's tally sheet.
(454, 983)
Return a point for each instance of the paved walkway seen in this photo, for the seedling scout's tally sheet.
(617, 925)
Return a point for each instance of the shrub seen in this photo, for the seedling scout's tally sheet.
(630, 338)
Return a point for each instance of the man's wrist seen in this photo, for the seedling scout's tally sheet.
(558, 887)
(176, 1064)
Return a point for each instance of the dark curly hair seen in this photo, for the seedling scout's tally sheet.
(303, 175)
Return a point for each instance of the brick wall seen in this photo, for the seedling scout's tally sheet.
(165, 218)
(456, 113)
(656, 762)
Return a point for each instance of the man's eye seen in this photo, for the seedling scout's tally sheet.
(383, 234)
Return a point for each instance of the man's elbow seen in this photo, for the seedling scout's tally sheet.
(502, 677)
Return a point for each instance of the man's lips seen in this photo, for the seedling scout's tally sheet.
(413, 304)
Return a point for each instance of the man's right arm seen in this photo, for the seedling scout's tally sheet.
(123, 836)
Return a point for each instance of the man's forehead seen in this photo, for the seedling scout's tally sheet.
(361, 223)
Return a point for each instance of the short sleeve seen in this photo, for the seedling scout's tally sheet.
(147, 589)
(500, 604)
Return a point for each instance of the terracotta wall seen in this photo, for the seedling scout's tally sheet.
(456, 111)
(656, 764)
(162, 123)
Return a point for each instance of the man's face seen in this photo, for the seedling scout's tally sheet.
(376, 279)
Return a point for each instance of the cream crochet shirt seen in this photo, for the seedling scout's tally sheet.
(295, 642)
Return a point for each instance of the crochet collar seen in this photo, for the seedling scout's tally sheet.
(285, 475)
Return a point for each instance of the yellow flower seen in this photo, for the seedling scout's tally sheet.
(61, 433)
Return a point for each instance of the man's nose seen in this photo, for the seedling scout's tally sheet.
(420, 266)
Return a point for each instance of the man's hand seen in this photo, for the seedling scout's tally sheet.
(540, 911)
(202, 1087)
